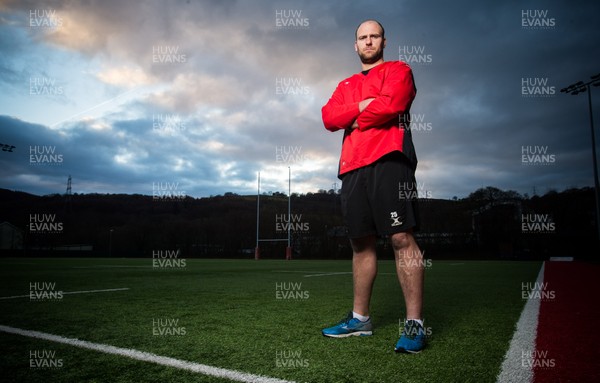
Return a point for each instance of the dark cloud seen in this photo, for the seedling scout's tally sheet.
(475, 123)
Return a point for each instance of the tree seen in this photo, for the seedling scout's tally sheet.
(492, 194)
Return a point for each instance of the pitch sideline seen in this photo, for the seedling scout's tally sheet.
(513, 369)
(204, 369)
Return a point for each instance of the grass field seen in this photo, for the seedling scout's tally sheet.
(260, 317)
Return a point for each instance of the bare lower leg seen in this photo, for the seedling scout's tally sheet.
(410, 269)
(364, 270)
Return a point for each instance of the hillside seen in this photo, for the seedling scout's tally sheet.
(489, 223)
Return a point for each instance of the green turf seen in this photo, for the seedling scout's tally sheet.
(228, 315)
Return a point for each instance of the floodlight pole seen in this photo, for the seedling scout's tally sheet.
(596, 183)
(575, 89)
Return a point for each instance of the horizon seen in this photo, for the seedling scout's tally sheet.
(176, 198)
(121, 95)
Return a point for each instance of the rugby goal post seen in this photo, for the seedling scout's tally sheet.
(288, 249)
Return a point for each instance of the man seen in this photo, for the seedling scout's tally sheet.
(377, 163)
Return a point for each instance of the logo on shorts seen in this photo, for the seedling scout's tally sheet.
(395, 219)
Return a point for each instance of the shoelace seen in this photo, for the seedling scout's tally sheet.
(347, 319)
(411, 330)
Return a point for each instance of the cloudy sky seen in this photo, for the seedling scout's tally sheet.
(199, 96)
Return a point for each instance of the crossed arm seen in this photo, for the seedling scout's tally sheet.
(378, 109)
(361, 106)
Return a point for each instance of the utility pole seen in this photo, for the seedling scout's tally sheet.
(575, 89)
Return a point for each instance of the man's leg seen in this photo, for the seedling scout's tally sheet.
(410, 269)
(364, 271)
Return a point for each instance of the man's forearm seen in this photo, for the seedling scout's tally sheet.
(361, 106)
(364, 103)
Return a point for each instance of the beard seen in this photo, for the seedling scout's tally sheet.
(370, 57)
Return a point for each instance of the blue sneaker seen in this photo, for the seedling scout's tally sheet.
(349, 326)
(413, 338)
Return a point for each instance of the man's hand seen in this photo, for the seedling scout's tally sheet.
(361, 106)
(364, 103)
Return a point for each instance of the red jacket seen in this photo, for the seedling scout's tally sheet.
(379, 130)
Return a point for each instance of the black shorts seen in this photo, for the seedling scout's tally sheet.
(380, 199)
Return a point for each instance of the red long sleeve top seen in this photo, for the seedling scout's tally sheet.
(380, 130)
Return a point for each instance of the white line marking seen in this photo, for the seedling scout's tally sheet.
(513, 369)
(204, 369)
(322, 275)
(72, 292)
(108, 266)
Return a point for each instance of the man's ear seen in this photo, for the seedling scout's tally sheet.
(355, 47)
(384, 40)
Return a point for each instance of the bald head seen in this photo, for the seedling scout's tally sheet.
(370, 21)
(369, 43)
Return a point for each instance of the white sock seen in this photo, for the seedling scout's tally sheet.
(361, 318)
(419, 321)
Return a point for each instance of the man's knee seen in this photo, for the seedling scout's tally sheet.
(402, 241)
